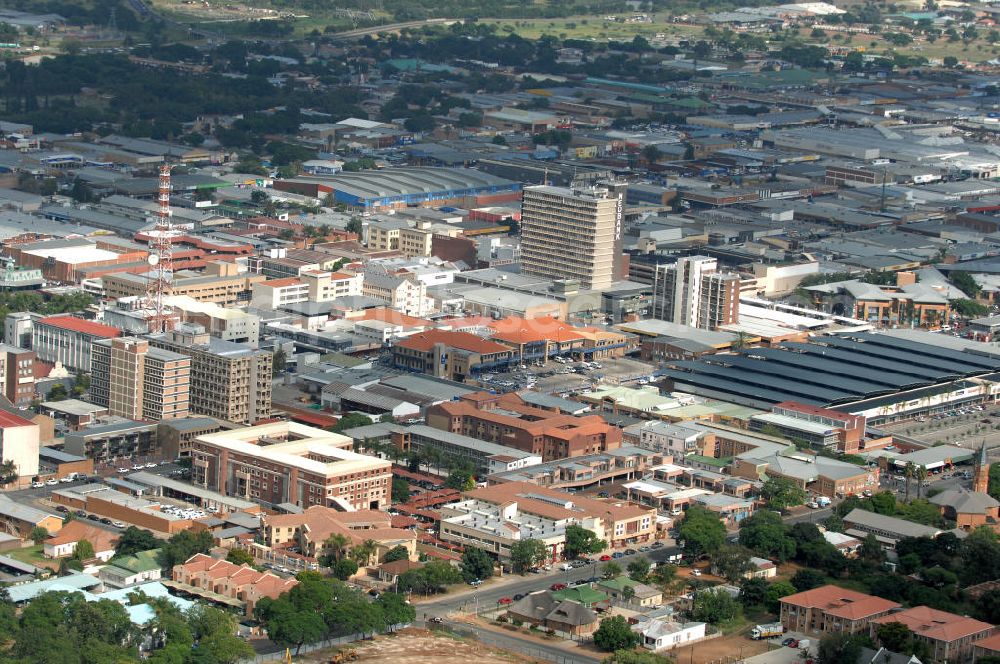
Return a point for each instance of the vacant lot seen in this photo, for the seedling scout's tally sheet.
(420, 646)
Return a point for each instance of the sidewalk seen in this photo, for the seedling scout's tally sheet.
(574, 647)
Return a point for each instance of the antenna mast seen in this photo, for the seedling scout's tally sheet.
(161, 259)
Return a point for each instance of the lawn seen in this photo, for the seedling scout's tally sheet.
(32, 555)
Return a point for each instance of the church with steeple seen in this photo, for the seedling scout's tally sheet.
(981, 479)
(970, 509)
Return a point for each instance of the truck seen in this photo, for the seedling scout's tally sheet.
(767, 631)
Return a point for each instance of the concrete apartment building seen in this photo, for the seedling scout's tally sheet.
(507, 420)
(17, 374)
(495, 517)
(409, 238)
(949, 637)
(832, 610)
(68, 339)
(285, 462)
(451, 355)
(139, 382)
(402, 292)
(229, 381)
(312, 286)
(573, 234)
(693, 292)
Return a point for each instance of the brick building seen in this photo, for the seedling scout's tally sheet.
(832, 610)
(507, 420)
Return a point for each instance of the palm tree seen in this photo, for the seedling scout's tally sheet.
(362, 553)
(921, 476)
(335, 545)
(8, 473)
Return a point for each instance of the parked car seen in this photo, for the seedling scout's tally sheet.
(93, 517)
(52, 482)
(794, 643)
(696, 572)
(62, 508)
(505, 600)
(630, 552)
(118, 524)
(787, 641)
(518, 597)
(106, 521)
(557, 586)
(605, 558)
(38, 485)
(618, 554)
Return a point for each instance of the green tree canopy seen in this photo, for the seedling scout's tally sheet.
(615, 634)
(580, 541)
(701, 530)
(714, 606)
(476, 564)
(780, 493)
(527, 553)
(766, 535)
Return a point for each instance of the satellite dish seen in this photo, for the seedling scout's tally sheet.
(153, 259)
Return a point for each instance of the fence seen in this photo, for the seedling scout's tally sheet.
(279, 655)
(519, 646)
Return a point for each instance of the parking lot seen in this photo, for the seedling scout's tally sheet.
(563, 376)
(966, 427)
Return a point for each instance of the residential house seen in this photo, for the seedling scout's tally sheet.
(63, 544)
(658, 634)
(126, 571)
(546, 611)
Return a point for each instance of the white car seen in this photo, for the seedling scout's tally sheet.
(38, 485)
(117, 524)
(52, 482)
(138, 466)
(150, 465)
(696, 572)
(123, 470)
(66, 480)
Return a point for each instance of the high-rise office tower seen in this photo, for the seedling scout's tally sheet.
(693, 292)
(229, 381)
(139, 382)
(573, 233)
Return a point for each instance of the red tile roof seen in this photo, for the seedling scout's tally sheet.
(12, 420)
(937, 625)
(75, 324)
(425, 341)
(840, 602)
(991, 643)
(281, 283)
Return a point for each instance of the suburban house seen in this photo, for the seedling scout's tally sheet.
(659, 634)
(63, 544)
(131, 570)
(546, 611)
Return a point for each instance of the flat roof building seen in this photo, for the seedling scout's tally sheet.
(573, 234)
(285, 462)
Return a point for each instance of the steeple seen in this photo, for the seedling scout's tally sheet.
(981, 481)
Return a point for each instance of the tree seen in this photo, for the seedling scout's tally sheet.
(753, 591)
(611, 570)
(780, 493)
(775, 592)
(732, 562)
(38, 534)
(651, 154)
(871, 549)
(396, 553)
(84, 550)
(334, 548)
(840, 648)
(968, 308)
(240, 557)
(701, 530)
(894, 636)
(344, 568)
(807, 579)
(279, 361)
(950, 61)
(58, 393)
(183, 545)
(8, 472)
(400, 490)
(351, 421)
(765, 534)
(216, 633)
(133, 540)
(714, 606)
(363, 553)
(964, 282)
(395, 610)
(476, 564)
(528, 553)
(461, 480)
(580, 541)
(638, 569)
(615, 634)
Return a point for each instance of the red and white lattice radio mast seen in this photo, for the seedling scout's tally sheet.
(161, 259)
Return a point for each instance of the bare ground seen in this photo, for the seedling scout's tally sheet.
(420, 646)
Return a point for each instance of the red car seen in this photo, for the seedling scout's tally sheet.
(793, 644)
(605, 558)
(505, 600)
(557, 586)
